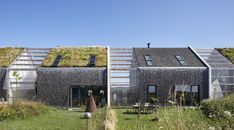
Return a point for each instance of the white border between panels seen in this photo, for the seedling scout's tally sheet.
(209, 69)
(108, 77)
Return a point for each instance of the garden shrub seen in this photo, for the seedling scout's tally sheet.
(221, 109)
(22, 109)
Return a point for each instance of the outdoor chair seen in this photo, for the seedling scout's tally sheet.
(141, 108)
(150, 109)
(135, 107)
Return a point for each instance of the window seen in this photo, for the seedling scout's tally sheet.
(186, 94)
(151, 92)
(56, 61)
(149, 60)
(181, 60)
(92, 60)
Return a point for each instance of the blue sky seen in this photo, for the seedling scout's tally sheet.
(118, 23)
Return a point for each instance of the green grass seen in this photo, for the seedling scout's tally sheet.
(55, 120)
(76, 57)
(227, 52)
(169, 118)
(8, 54)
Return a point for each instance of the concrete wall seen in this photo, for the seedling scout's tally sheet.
(165, 78)
(2, 80)
(53, 83)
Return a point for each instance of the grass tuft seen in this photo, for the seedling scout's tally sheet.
(111, 120)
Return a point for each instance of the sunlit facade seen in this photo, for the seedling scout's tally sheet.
(131, 75)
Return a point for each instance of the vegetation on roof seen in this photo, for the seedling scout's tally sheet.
(227, 52)
(8, 54)
(75, 57)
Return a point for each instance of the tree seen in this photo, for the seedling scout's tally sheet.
(17, 77)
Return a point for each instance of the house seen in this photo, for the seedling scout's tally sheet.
(66, 76)
(168, 73)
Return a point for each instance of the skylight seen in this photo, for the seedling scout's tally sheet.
(92, 60)
(56, 61)
(181, 60)
(149, 60)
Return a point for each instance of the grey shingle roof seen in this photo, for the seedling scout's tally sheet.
(165, 57)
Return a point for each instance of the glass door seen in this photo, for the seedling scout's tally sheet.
(79, 96)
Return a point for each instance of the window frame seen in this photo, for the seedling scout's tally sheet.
(181, 60)
(155, 93)
(192, 94)
(92, 60)
(149, 59)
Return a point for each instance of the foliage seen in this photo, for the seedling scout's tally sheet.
(54, 120)
(96, 122)
(221, 110)
(17, 77)
(8, 54)
(76, 57)
(154, 100)
(178, 118)
(227, 52)
(111, 120)
(22, 109)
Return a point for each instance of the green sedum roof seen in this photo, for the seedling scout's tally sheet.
(227, 52)
(76, 56)
(8, 54)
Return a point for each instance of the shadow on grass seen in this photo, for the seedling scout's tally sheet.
(128, 118)
(83, 118)
(79, 111)
(130, 112)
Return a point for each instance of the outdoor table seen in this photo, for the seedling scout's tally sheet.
(145, 107)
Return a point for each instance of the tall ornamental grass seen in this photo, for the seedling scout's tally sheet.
(22, 110)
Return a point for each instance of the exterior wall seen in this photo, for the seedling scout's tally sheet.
(53, 83)
(2, 80)
(166, 78)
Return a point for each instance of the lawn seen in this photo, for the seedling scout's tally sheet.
(76, 56)
(169, 118)
(8, 54)
(55, 120)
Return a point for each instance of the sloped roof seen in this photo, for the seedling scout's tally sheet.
(166, 57)
(75, 57)
(8, 54)
(228, 53)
